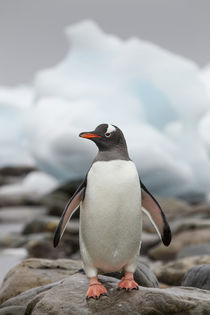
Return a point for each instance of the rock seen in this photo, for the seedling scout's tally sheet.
(172, 273)
(194, 197)
(194, 250)
(179, 241)
(20, 214)
(13, 310)
(172, 207)
(24, 298)
(42, 246)
(189, 223)
(55, 202)
(58, 198)
(68, 297)
(143, 275)
(203, 210)
(149, 240)
(13, 201)
(17, 171)
(69, 187)
(15, 240)
(36, 272)
(198, 277)
(49, 224)
(12, 240)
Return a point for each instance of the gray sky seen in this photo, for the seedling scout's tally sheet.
(32, 37)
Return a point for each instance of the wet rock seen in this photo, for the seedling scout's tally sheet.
(68, 296)
(179, 241)
(194, 250)
(198, 277)
(172, 273)
(36, 272)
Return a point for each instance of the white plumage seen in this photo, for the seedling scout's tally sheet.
(111, 218)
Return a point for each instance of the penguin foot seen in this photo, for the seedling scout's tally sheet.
(127, 283)
(96, 289)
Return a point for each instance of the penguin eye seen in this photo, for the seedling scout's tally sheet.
(108, 134)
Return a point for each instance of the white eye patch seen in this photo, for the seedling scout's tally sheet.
(110, 129)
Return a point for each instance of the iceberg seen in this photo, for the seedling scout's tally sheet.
(15, 104)
(157, 98)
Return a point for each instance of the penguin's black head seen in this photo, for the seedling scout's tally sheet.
(106, 137)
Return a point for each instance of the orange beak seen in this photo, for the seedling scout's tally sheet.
(89, 135)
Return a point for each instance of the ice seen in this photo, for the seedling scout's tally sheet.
(15, 104)
(34, 184)
(158, 99)
(204, 126)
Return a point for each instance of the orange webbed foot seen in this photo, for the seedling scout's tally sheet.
(95, 290)
(127, 283)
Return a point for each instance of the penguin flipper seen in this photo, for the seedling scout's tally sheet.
(70, 208)
(153, 210)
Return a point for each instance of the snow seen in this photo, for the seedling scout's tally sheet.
(160, 100)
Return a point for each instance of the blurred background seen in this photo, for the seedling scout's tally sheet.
(66, 67)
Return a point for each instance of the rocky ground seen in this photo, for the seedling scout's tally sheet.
(172, 280)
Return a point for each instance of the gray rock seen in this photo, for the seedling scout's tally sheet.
(172, 207)
(49, 224)
(143, 275)
(149, 240)
(20, 214)
(198, 277)
(36, 272)
(179, 241)
(189, 223)
(172, 273)
(194, 250)
(12, 240)
(13, 310)
(42, 247)
(24, 298)
(17, 171)
(68, 297)
(13, 201)
(57, 199)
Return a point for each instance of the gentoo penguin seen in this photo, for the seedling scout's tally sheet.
(111, 200)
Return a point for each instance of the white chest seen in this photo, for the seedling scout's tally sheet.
(118, 178)
(111, 212)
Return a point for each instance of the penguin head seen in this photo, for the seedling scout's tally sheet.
(106, 137)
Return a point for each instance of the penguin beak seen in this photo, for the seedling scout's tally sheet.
(88, 135)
